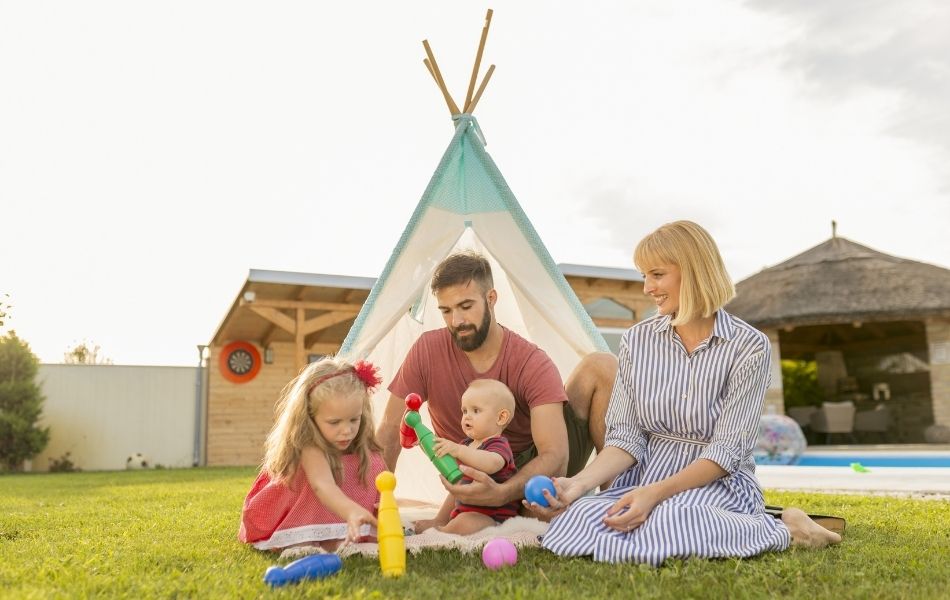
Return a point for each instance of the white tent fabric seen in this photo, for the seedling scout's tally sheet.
(467, 205)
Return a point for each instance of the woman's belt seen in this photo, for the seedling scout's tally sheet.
(676, 438)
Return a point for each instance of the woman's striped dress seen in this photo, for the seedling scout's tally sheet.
(668, 409)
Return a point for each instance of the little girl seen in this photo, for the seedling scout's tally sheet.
(317, 484)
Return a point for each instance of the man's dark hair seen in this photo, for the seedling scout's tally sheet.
(460, 268)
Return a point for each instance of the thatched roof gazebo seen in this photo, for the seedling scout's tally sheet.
(859, 312)
(840, 281)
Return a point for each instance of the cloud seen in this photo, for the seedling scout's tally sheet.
(853, 46)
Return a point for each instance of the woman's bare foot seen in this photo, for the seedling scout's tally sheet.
(806, 532)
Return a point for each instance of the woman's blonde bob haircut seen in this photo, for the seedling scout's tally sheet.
(705, 286)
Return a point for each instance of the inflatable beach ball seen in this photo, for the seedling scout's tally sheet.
(780, 441)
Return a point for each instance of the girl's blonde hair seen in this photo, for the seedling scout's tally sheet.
(705, 286)
(295, 428)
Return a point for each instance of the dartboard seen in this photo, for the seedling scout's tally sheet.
(240, 362)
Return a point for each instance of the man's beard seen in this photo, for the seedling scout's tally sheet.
(474, 341)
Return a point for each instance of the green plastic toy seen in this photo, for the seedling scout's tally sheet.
(859, 468)
(445, 464)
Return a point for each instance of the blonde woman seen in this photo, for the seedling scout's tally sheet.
(681, 426)
(316, 486)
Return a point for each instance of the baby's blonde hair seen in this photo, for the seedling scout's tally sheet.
(498, 392)
(705, 286)
(295, 428)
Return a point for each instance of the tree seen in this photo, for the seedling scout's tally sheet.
(21, 404)
(86, 353)
(4, 309)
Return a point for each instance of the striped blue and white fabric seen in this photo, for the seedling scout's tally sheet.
(668, 409)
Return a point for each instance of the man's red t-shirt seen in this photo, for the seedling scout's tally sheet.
(440, 372)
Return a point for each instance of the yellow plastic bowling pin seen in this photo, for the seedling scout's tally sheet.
(392, 545)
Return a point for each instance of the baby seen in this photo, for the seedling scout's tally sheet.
(487, 408)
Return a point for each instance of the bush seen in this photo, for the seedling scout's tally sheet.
(63, 464)
(800, 383)
(21, 404)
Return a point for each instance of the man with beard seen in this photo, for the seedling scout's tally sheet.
(554, 428)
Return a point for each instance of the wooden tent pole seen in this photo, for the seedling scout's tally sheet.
(471, 107)
(425, 61)
(478, 60)
(453, 107)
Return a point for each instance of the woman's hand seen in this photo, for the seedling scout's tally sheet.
(443, 446)
(568, 490)
(632, 509)
(358, 516)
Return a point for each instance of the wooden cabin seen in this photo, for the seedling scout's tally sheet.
(877, 326)
(280, 321)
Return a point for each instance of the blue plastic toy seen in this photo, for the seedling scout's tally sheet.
(315, 566)
(534, 490)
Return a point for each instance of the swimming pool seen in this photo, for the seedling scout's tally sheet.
(841, 459)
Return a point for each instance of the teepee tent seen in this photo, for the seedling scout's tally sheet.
(467, 205)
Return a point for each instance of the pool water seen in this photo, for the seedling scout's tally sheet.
(875, 460)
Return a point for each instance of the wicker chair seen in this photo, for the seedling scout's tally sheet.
(834, 417)
(802, 415)
(876, 421)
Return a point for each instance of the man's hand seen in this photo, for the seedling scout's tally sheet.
(443, 446)
(482, 491)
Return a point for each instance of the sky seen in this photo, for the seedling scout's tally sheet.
(151, 153)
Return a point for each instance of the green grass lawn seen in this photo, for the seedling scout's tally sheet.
(171, 533)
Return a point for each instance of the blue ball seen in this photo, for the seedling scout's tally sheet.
(534, 490)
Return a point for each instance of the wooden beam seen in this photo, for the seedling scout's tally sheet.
(471, 107)
(604, 286)
(453, 107)
(478, 60)
(300, 358)
(621, 323)
(275, 316)
(323, 348)
(901, 343)
(306, 304)
(325, 320)
(271, 334)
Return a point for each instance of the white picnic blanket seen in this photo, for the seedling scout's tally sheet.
(521, 531)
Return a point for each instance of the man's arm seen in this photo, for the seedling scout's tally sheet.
(388, 432)
(550, 439)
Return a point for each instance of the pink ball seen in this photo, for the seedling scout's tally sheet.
(499, 553)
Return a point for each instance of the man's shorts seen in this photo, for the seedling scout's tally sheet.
(578, 442)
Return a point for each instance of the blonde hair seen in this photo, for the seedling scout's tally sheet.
(295, 428)
(705, 286)
(498, 392)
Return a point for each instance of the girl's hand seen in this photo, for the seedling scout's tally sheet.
(358, 517)
(632, 509)
(568, 490)
(443, 446)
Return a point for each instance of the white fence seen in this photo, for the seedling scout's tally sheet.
(102, 414)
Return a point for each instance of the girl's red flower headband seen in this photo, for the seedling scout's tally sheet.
(363, 370)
